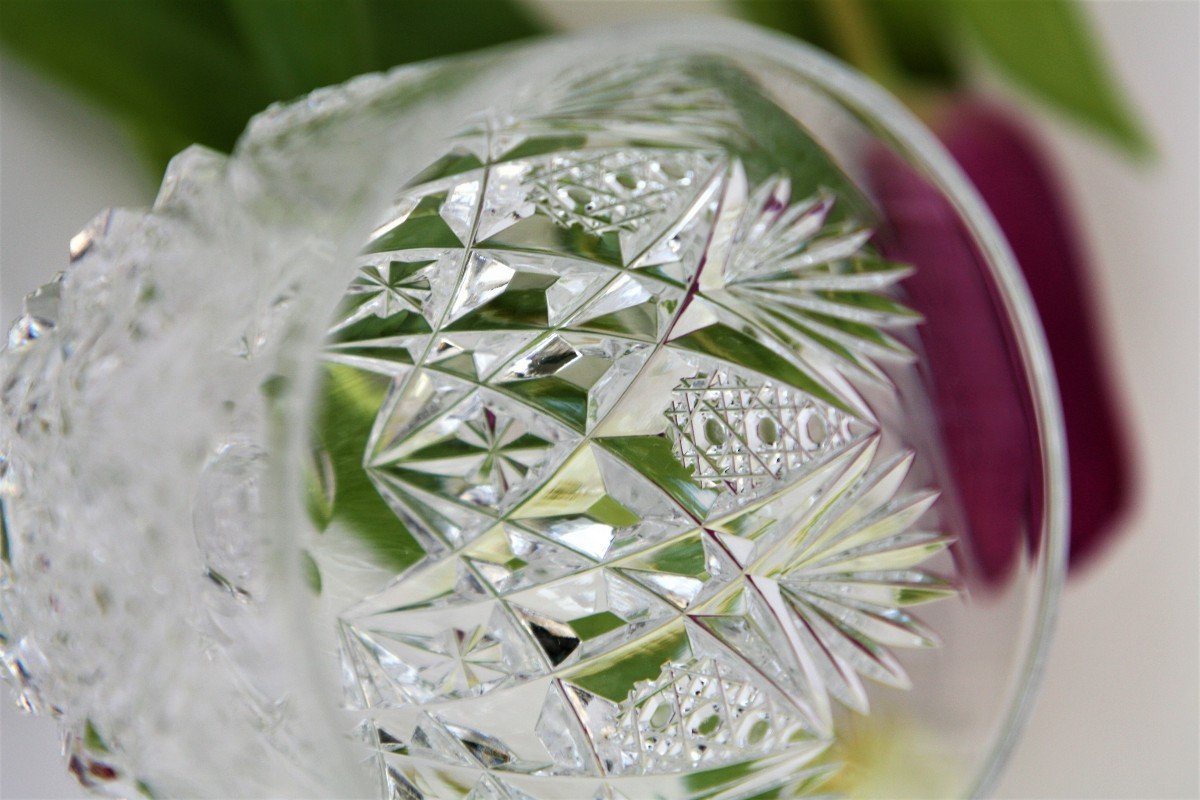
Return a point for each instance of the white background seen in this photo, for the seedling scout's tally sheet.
(1118, 713)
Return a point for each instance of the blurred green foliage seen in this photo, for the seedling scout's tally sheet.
(918, 47)
(176, 72)
(1046, 48)
(182, 71)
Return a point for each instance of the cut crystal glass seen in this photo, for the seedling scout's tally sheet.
(550, 423)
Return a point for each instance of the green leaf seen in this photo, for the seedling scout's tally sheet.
(174, 73)
(349, 400)
(779, 143)
(414, 30)
(914, 38)
(301, 44)
(562, 400)
(921, 38)
(178, 72)
(652, 456)
(92, 739)
(594, 625)
(1046, 48)
(312, 573)
(736, 347)
(799, 19)
(613, 675)
(320, 488)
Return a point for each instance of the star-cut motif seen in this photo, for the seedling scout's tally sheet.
(506, 451)
(478, 455)
(831, 584)
(808, 280)
(472, 659)
(394, 287)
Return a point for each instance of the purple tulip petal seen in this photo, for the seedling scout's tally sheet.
(979, 391)
(984, 405)
(1006, 166)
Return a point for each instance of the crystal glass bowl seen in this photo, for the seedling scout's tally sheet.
(641, 414)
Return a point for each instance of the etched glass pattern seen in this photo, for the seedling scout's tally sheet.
(551, 423)
(647, 538)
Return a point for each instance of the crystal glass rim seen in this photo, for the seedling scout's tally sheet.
(914, 141)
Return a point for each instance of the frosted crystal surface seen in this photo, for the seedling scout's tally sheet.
(596, 504)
